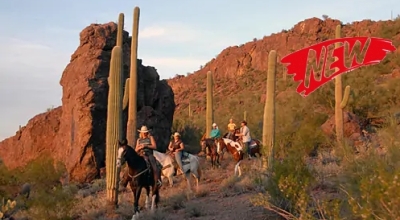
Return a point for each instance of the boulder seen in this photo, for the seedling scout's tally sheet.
(351, 126)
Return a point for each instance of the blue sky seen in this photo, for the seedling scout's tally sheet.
(38, 37)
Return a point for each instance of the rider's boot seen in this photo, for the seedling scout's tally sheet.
(156, 171)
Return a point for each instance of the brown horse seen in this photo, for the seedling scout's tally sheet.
(255, 144)
(234, 148)
(212, 147)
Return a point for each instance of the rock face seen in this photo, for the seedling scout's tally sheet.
(75, 132)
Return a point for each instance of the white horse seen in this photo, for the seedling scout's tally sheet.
(191, 165)
(168, 166)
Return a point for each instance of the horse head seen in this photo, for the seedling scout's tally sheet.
(203, 141)
(234, 137)
(220, 145)
(122, 148)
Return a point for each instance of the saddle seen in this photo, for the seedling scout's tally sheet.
(145, 154)
(185, 158)
(253, 144)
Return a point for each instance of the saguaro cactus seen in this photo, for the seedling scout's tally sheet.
(269, 113)
(210, 103)
(339, 102)
(132, 109)
(120, 32)
(114, 124)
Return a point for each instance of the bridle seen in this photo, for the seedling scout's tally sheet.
(120, 161)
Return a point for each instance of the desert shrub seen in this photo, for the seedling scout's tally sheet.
(371, 181)
(48, 199)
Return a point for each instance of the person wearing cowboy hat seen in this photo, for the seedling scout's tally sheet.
(145, 145)
(215, 133)
(176, 147)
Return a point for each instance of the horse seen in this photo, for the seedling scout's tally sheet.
(168, 170)
(235, 148)
(191, 165)
(255, 144)
(140, 177)
(210, 144)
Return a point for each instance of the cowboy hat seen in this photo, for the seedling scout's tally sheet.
(144, 129)
(177, 134)
(214, 125)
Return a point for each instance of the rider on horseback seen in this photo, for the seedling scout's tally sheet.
(215, 133)
(245, 135)
(176, 147)
(231, 128)
(145, 145)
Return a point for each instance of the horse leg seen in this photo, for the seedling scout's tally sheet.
(136, 194)
(147, 203)
(171, 181)
(155, 196)
(235, 169)
(239, 169)
(189, 182)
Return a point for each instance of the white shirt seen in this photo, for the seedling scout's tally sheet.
(246, 133)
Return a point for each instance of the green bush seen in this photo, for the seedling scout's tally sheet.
(48, 199)
(371, 182)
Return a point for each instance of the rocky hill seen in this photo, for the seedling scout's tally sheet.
(74, 133)
(239, 71)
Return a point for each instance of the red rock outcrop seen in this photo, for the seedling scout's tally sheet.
(75, 133)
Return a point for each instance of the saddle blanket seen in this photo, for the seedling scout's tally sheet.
(185, 158)
(253, 144)
(233, 144)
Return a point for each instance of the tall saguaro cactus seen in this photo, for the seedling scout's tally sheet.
(340, 102)
(120, 32)
(132, 109)
(269, 113)
(114, 124)
(210, 103)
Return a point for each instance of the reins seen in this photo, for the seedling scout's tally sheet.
(135, 176)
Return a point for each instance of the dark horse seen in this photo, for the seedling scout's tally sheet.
(255, 144)
(140, 175)
(212, 147)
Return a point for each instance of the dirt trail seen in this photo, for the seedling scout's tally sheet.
(221, 196)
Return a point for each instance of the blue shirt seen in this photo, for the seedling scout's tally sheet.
(215, 133)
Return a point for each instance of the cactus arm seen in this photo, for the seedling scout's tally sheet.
(126, 95)
(120, 29)
(345, 99)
